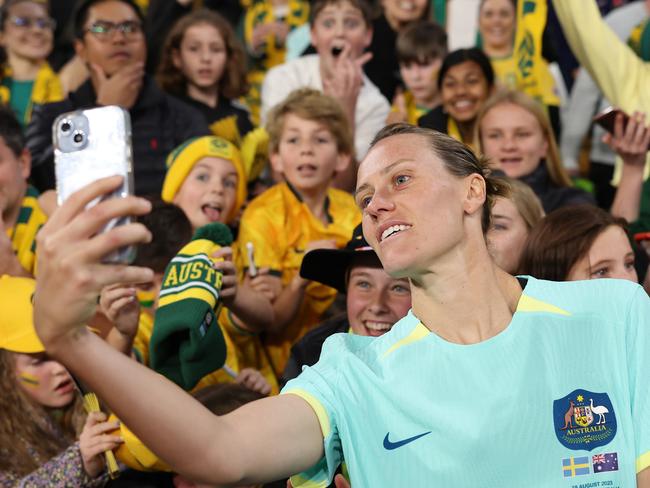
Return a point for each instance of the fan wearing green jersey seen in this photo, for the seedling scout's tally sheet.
(490, 380)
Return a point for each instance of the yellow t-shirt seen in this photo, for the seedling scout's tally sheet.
(280, 227)
(23, 234)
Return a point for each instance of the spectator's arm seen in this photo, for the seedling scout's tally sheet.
(582, 106)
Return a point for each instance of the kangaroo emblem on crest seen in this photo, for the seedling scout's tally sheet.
(568, 416)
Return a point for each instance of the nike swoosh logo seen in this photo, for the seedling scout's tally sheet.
(388, 445)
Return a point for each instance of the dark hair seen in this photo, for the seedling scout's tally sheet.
(361, 5)
(223, 398)
(457, 158)
(11, 131)
(81, 14)
(233, 81)
(170, 230)
(460, 56)
(563, 238)
(420, 42)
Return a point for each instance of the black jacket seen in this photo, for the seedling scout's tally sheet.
(551, 195)
(159, 123)
(306, 351)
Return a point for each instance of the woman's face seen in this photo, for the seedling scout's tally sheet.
(507, 235)
(44, 380)
(610, 256)
(513, 139)
(405, 193)
(28, 32)
(402, 12)
(497, 23)
(463, 91)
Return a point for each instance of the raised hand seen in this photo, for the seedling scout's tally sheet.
(70, 248)
(632, 141)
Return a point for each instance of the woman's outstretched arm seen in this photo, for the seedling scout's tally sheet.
(262, 441)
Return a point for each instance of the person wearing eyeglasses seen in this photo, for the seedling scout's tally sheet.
(26, 40)
(109, 38)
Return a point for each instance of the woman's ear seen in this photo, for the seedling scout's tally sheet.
(476, 194)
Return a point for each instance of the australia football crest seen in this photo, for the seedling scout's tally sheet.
(584, 420)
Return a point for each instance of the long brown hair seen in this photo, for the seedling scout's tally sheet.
(233, 81)
(563, 238)
(26, 441)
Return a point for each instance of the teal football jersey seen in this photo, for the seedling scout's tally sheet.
(560, 398)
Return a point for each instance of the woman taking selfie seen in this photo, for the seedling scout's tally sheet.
(421, 399)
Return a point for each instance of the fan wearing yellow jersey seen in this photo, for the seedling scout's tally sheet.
(310, 141)
(22, 210)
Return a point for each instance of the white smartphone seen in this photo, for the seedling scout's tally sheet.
(93, 144)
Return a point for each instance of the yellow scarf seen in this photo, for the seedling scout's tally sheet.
(454, 131)
(23, 234)
(533, 76)
(47, 89)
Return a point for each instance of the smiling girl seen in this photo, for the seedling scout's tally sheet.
(41, 411)
(515, 133)
(26, 37)
(465, 82)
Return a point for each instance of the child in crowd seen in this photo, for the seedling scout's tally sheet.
(340, 31)
(266, 26)
(420, 48)
(374, 300)
(171, 230)
(309, 143)
(514, 131)
(465, 82)
(579, 242)
(204, 65)
(22, 210)
(206, 179)
(507, 31)
(42, 416)
(513, 217)
(26, 37)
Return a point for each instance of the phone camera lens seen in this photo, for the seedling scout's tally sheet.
(78, 138)
(66, 126)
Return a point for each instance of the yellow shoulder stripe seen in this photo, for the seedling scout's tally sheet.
(419, 332)
(317, 406)
(299, 481)
(530, 304)
(643, 462)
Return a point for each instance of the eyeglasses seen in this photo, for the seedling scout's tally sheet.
(42, 23)
(104, 30)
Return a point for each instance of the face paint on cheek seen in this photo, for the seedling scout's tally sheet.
(29, 380)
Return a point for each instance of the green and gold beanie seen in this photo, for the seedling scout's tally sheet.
(187, 342)
(182, 159)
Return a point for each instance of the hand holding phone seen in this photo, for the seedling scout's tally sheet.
(628, 136)
(90, 145)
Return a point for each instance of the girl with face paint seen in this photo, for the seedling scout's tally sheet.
(42, 415)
